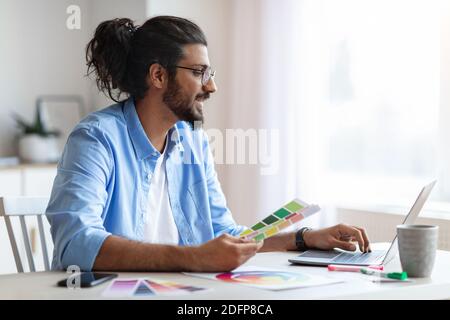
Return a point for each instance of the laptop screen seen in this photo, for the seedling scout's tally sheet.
(410, 218)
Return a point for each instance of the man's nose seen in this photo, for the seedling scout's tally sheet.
(210, 86)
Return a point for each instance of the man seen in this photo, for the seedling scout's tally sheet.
(136, 187)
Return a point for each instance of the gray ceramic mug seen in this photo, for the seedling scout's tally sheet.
(417, 245)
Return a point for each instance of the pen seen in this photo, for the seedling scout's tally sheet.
(391, 275)
(337, 267)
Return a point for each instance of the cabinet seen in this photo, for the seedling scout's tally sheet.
(24, 180)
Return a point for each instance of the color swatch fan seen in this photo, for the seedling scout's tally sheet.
(288, 215)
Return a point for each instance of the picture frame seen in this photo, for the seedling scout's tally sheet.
(61, 113)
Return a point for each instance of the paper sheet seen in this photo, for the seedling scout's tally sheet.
(268, 278)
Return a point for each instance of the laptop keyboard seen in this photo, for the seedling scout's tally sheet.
(357, 258)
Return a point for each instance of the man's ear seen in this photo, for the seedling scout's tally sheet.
(157, 75)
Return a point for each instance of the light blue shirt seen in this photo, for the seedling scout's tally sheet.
(103, 181)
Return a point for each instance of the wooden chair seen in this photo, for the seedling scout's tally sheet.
(22, 207)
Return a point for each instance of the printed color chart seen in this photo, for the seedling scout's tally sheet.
(148, 287)
(289, 214)
(267, 278)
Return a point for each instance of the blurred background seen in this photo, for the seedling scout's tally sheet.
(356, 93)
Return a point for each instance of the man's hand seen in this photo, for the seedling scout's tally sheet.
(339, 236)
(224, 253)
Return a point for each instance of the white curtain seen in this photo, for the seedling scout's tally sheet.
(268, 92)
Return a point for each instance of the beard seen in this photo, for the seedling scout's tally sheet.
(183, 106)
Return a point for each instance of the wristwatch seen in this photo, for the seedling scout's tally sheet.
(299, 241)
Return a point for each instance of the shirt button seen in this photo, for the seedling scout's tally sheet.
(154, 154)
(149, 176)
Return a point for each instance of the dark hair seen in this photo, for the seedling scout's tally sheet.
(121, 54)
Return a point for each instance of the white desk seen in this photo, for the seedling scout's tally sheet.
(42, 285)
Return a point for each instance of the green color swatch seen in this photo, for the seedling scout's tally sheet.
(293, 206)
(258, 226)
(282, 213)
(259, 237)
(270, 219)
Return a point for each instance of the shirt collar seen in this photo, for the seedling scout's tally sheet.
(142, 145)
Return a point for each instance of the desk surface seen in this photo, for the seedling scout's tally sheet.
(42, 285)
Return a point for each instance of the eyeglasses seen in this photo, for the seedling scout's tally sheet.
(206, 73)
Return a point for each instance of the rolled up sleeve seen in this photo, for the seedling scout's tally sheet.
(78, 199)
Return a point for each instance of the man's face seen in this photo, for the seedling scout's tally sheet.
(186, 94)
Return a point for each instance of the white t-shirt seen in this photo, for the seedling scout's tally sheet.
(160, 226)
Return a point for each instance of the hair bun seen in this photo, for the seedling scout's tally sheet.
(131, 27)
(124, 25)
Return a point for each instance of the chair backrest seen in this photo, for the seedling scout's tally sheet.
(22, 207)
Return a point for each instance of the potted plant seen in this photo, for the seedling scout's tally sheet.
(36, 143)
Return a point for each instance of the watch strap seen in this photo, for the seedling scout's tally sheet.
(299, 240)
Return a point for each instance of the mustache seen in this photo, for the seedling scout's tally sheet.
(204, 96)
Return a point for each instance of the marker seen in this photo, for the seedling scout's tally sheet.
(337, 267)
(391, 275)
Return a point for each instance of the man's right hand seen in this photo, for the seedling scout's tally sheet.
(224, 253)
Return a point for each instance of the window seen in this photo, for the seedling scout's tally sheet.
(373, 75)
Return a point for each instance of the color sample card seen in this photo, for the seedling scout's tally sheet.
(267, 278)
(288, 215)
(143, 290)
(147, 288)
(121, 287)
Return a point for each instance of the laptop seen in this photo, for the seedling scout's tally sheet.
(376, 257)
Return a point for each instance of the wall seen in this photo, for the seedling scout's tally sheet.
(40, 55)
